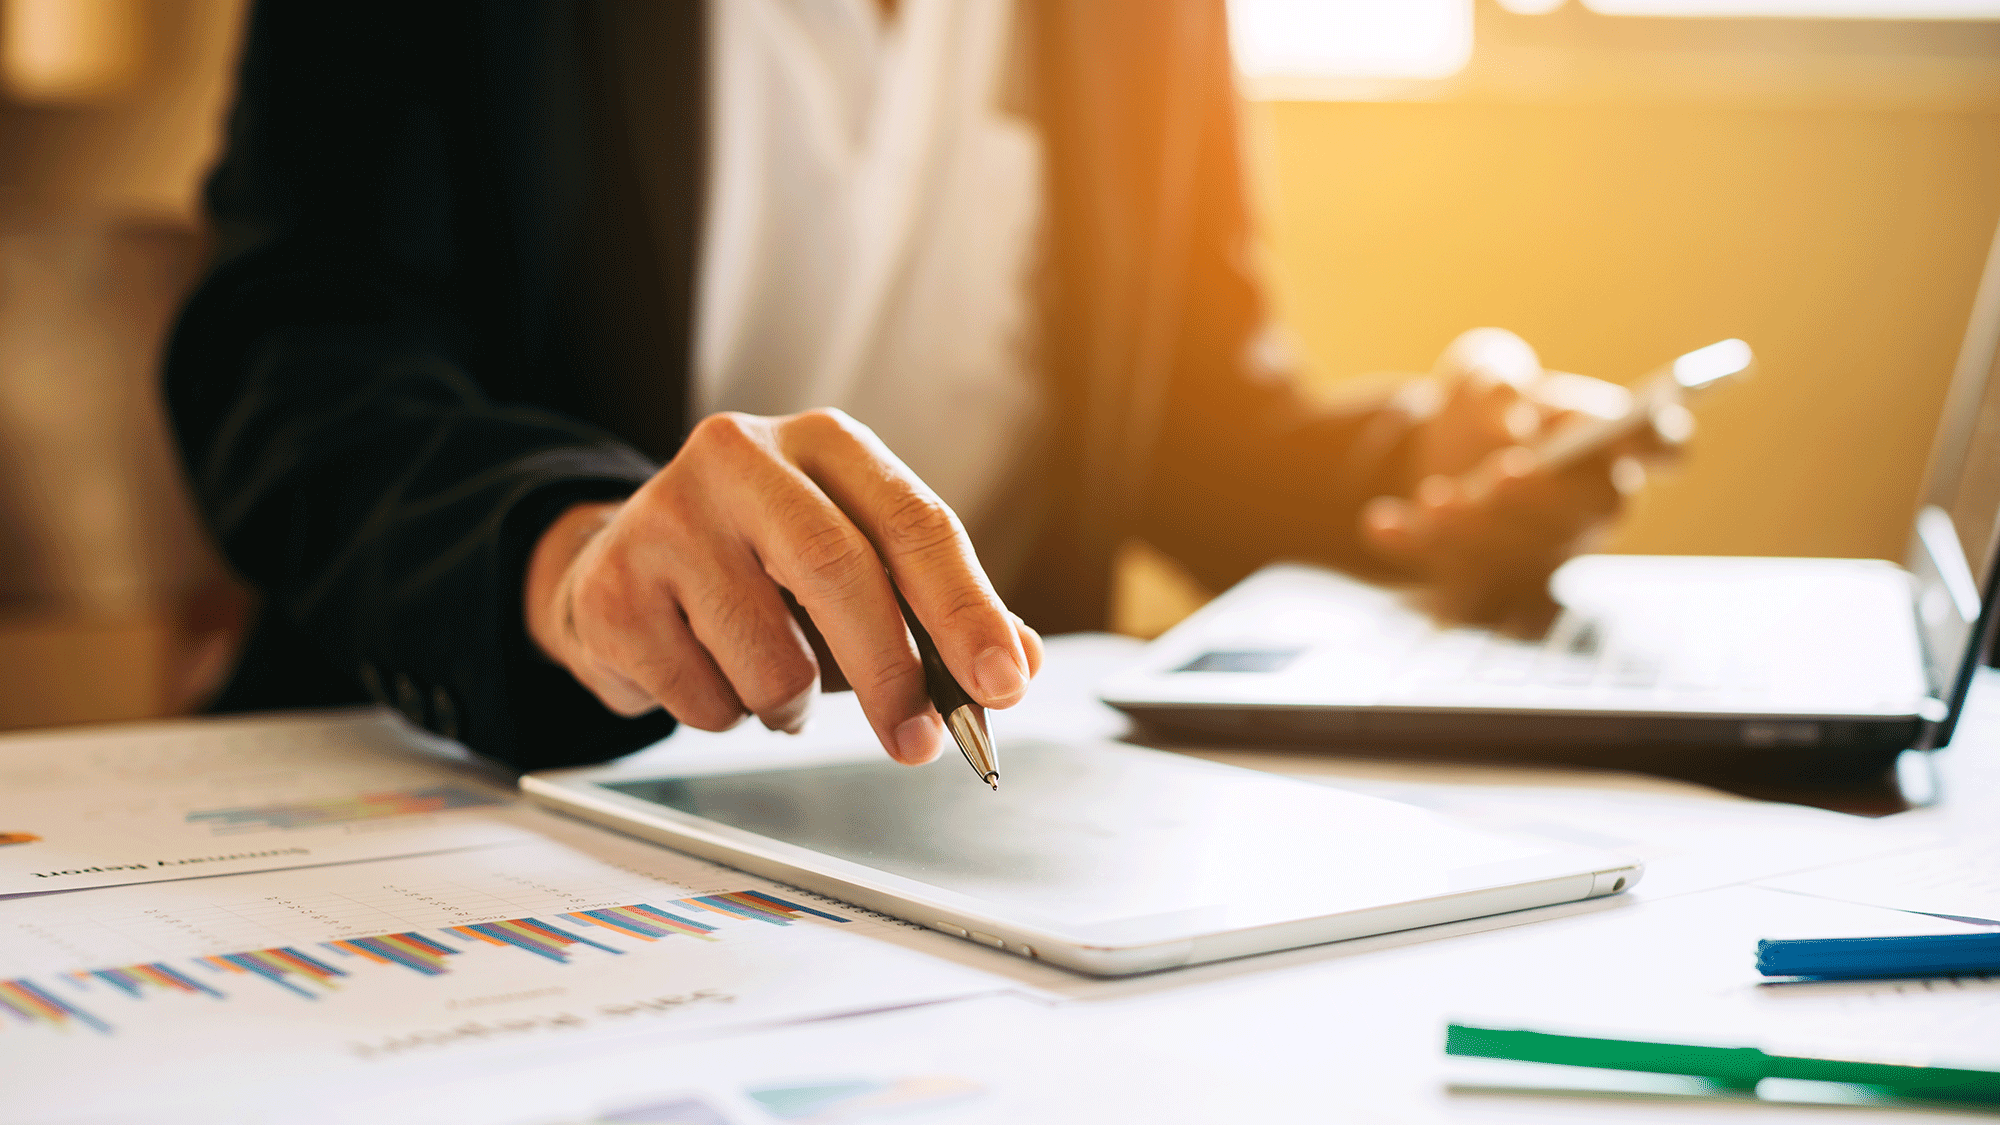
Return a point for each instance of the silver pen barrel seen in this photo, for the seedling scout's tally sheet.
(968, 728)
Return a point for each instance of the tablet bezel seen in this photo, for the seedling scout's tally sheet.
(1574, 874)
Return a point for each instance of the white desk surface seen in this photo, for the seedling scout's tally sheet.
(1343, 1032)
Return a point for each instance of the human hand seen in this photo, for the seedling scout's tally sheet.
(1485, 524)
(761, 558)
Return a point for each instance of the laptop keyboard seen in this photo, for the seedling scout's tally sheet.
(1576, 656)
(1637, 634)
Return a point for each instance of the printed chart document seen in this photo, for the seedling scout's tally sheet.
(1690, 838)
(405, 965)
(988, 1060)
(172, 800)
(1957, 883)
(1688, 843)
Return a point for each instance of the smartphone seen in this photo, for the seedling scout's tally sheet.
(1657, 401)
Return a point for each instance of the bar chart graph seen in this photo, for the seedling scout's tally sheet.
(134, 980)
(283, 967)
(31, 1003)
(310, 970)
(570, 938)
(412, 951)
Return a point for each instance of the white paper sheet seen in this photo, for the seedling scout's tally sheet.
(991, 1061)
(173, 800)
(981, 1061)
(1687, 843)
(410, 963)
(1960, 881)
(1690, 838)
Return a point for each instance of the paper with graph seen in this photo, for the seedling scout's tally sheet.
(418, 960)
(172, 800)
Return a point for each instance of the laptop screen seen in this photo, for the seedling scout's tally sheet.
(1952, 548)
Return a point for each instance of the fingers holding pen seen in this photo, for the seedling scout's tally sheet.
(803, 542)
(829, 566)
(758, 561)
(926, 551)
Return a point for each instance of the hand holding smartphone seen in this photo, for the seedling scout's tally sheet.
(1658, 401)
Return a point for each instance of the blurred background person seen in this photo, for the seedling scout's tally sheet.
(483, 267)
(1452, 208)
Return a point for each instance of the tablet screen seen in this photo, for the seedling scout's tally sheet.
(1115, 843)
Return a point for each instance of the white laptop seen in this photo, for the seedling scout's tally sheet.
(1814, 667)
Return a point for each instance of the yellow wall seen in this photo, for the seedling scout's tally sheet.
(1843, 242)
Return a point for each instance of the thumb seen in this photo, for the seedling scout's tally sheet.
(1490, 355)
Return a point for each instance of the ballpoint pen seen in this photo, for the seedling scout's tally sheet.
(1729, 1066)
(1914, 955)
(965, 718)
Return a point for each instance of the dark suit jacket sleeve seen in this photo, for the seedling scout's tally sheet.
(354, 385)
(1247, 467)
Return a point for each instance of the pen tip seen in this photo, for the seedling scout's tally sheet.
(993, 779)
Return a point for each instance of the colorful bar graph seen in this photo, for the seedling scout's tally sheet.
(648, 923)
(758, 906)
(309, 975)
(639, 920)
(280, 966)
(133, 980)
(31, 1003)
(535, 936)
(341, 810)
(412, 951)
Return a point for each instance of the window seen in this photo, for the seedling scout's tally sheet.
(1307, 39)
(1804, 9)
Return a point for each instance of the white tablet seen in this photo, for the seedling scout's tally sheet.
(1103, 858)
